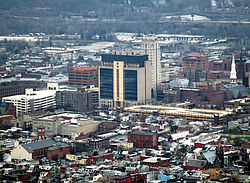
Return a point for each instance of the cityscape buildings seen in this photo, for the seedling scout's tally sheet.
(143, 139)
(79, 100)
(150, 46)
(32, 101)
(124, 79)
(165, 99)
(83, 76)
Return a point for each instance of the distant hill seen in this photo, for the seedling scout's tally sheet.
(91, 17)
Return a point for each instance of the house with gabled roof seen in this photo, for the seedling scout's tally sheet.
(38, 149)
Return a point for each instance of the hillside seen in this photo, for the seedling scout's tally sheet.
(105, 16)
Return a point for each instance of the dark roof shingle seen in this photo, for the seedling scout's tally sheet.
(30, 147)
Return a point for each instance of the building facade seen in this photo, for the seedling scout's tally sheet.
(150, 46)
(93, 160)
(83, 76)
(80, 100)
(72, 100)
(10, 89)
(142, 139)
(39, 149)
(195, 66)
(178, 112)
(32, 101)
(63, 124)
(124, 80)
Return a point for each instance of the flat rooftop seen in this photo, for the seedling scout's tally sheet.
(68, 115)
(176, 110)
(82, 69)
(33, 95)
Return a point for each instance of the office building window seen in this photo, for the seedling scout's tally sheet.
(130, 84)
(106, 83)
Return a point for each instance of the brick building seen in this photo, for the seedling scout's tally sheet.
(83, 76)
(58, 150)
(167, 96)
(244, 104)
(221, 69)
(93, 160)
(10, 89)
(107, 126)
(195, 66)
(6, 121)
(222, 65)
(155, 162)
(99, 144)
(39, 149)
(142, 139)
(195, 164)
(203, 97)
(218, 74)
(32, 83)
(2, 69)
(135, 178)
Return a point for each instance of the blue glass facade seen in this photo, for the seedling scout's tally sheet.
(106, 83)
(130, 84)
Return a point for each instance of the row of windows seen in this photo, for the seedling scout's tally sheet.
(130, 85)
(140, 137)
(106, 84)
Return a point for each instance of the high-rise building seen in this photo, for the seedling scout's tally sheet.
(124, 79)
(83, 76)
(150, 46)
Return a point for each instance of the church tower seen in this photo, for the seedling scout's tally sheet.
(233, 74)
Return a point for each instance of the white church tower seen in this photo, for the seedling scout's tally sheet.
(233, 75)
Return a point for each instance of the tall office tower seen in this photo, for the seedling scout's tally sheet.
(124, 79)
(150, 46)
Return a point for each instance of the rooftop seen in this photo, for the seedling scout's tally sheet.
(154, 159)
(195, 55)
(32, 95)
(142, 133)
(175, 110)
(135, 59)
(81, 69)
(30, 147)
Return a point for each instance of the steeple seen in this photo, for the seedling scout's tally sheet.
(233, 75)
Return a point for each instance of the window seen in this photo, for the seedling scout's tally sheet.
(106, 83)
(130, 85)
